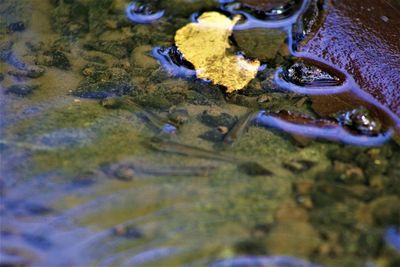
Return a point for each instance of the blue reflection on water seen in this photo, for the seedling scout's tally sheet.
(334, 133)
(162, 55)
(134, 14)
(392, 237)
(263, 261)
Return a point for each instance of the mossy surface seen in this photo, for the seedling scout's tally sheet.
(87, 172)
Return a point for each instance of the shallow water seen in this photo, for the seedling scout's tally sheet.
(114, 154)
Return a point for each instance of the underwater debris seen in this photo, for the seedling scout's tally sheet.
(239, 128)
(186, 150)
(205, 44)
(128, 171)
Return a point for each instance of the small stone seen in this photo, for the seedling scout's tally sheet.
(223, 130)
(264, 99)
(16, 26)
(349, 173)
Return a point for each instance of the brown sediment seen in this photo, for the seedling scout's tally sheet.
(362, 37)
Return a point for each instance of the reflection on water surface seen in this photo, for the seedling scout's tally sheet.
(116, 152)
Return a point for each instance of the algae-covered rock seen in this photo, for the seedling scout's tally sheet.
(263, 44)
(104, 83)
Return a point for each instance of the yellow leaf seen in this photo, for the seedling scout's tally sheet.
(205, 44)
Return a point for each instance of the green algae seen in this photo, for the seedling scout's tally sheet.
(211, 216)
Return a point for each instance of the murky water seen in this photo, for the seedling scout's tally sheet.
(113, 153)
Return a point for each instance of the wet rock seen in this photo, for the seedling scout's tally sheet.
(305, 74)
(22, 89)
(102, 84)
(310, 20)
(340, 41)
(213, 120)
(262, 44)
(360, 121)
(265, 5)
(293, 238)
(270, 10)
(18, 26)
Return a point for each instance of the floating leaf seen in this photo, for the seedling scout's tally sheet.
(205, 44)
